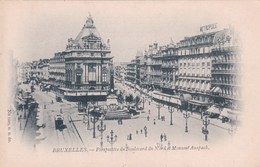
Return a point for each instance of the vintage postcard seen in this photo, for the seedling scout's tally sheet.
(113, 83)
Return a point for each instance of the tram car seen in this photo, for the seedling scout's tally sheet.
(59, 124)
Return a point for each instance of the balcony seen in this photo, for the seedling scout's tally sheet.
(233, 97)
(169, 65)
(156, 73)
(228, 72)
(91, 86)
(156, 63)
(224, 48)
(225, 83)
(224, 61)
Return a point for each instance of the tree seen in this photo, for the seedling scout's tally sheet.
(129, 98)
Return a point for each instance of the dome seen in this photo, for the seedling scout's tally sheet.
(220, 37)
(225, 38)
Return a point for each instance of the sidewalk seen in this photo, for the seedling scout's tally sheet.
(215, 122)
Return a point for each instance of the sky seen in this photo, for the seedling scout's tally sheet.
(36, 30)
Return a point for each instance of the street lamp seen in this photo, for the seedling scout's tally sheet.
(159, 107)
(186, 115)
(101, 129)
(111, 139)
(204, 129)
(171, 111)
(143, 102)
(94, 119)
(88, 126)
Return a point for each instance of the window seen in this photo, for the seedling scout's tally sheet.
(92, 72)
(208, 63)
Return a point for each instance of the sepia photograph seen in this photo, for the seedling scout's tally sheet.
(149, 83)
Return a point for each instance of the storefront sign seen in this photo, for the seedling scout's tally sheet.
(209, 27)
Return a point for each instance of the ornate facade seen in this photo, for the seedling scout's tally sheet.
(86, 67)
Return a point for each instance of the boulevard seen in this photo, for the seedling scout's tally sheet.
(158, 132)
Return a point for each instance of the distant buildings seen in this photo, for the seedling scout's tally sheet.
(203, 67)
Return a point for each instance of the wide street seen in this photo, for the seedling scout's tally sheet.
(78, 134)
(51, 137)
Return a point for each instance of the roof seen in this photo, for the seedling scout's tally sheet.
(88, 31)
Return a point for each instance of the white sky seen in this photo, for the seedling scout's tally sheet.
(36, 30)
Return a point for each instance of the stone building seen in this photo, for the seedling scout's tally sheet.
(84, 67)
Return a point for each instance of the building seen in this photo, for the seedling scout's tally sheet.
(57, 71)
(84, 67)
(194, 74)
(201, 70)
(131, 72)
(120, 71)
(169, 69)
(226, 72)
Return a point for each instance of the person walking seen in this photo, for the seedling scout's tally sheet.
(161, 137)
(165, 137)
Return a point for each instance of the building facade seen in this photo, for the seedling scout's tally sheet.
(84, 67)
(204, 67)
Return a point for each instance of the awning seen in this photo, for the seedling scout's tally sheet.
(224, 113)
(198, 86)
(193, 85)
(212, 89)
(177, 83)
(180, 84)
(198, 103)
(232, 114)
(186, 96)
(214, 109)
(184, 84)
(208, 87)
(189, 84)
(217, 90)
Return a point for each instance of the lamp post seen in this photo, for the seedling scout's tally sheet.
(201, 113)
(101, 129)
(159, 107)
(94, 119)
(111, 139)
(143, 102)
(204, 129)
(186, 115)
(88, 126)
(171, 111)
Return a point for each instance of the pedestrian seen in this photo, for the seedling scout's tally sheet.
(165, 137)
(149, 111)
(161, 137)
(145, 131)
(148, 118)
(130, 136)
(154, 121)
(141, 131)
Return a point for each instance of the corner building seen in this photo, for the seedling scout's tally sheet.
(87, 66)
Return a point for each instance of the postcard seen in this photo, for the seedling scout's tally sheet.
(113, 83)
